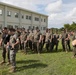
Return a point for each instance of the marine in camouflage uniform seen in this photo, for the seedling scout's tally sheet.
(41, 42)
(64, 35)
(55, 41)
(74, 47)
(4, 41)
(22, 39)
(31, 39)
(66, 41)
(14, 45)
(36, 40)
(47, 39)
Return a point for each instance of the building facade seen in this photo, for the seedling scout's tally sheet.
(16, 17)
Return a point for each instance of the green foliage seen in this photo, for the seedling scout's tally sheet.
(70, 27)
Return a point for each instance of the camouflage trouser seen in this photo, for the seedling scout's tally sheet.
(74, 51)
(28, 44)
(67, 45)
(47, 45)
(38, 47)
(22, 45)
(13, 58)
(5, 52)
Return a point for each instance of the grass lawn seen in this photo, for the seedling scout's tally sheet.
(59, 63)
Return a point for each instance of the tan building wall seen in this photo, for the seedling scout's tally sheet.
(25, 18)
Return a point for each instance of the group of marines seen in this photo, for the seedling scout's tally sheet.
(13, 40)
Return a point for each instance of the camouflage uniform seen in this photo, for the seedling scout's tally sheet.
(67, 44)
(13, 51)
(22, 39)
(47, 40)
(5, 38)
(63, 40)
(31, 40)
(54, 42)
(74, 47)
(36, 40)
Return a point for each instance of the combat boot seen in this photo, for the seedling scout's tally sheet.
(12, 69)
(8, 63)
(1, 63)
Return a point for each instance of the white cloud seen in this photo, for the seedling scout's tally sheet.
(28, 4)
(72, 13)
(54, 7)
(59, 11)
(71, 16)
(59, 19)
(21, 3)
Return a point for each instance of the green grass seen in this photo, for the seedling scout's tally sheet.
(59, 63)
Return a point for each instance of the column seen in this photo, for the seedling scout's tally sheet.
(5, 16)
(40, 22)
(20, 19)
(46, 22)
(31, 20)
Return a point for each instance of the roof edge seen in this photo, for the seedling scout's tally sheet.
(20, 8)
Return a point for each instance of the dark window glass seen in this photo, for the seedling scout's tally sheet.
(16, 15)
(29, 17)
(9, 13)
(22, 16)
(26, 16)
(36, 19)
(44, 20)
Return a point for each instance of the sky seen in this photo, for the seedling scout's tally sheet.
(59, 12)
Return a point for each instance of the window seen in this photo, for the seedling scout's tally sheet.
(26, 16)
(22, 16)
(16, 26)
(16, 15)
(9, 26)
(0, 12)
(41, 20)
(29, 27)
(36, 19)
(29, 17)
(0, 26)
(33, 27)
(44, 28)
(9, 13)
(44, 20)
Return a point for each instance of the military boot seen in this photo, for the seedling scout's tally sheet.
(12, 69)
(1, 63)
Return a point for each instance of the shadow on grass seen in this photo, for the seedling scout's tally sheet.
(27, 61)
(54, 51)
(34, 64)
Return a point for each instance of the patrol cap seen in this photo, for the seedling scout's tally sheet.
(5, 28)
(37, 28)
(12, 29)
(47, 30)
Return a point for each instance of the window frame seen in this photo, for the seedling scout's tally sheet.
(9, 13)
(16, 15)
(1, 12)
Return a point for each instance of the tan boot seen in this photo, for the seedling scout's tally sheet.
(1, 63)
(12, 70)
(66, 51)
(8, 63)
(11, 67)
